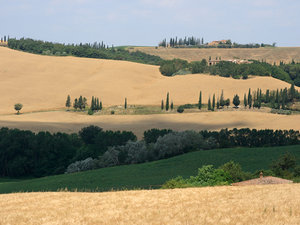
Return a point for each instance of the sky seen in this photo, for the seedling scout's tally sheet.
(147, 22)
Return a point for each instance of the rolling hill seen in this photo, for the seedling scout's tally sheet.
(43, 82)
(271, 55)
(152, 174)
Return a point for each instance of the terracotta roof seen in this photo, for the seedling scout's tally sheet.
(263, 180)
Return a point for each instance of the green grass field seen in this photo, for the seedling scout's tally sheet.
(153, 174)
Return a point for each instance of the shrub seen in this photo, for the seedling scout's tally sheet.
(83, 165)
(207, 176)
(112, 112)
(90, 112)
(235, 171)
(180, 109)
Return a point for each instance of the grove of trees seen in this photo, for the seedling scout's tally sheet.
(286, 72)
(95, 50)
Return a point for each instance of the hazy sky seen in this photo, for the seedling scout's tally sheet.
(146, 22)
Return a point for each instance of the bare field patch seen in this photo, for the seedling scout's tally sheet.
(266, 204)
(72, 122)
(42, 83)
(271, 55)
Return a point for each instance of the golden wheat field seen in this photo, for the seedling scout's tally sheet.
(261, 205)
(271, 55)
(72, 122)
(43, 82)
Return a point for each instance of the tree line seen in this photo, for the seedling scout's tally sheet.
(95, 50)
(28, 154)
(199, 43)
(286, 72)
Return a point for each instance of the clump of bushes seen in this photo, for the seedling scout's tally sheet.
(207, 176)
(281, 111)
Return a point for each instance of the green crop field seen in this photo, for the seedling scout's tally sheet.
(150, 175)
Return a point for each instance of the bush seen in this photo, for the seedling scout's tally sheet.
(180, 109)
(281, 111)
(90, 112)
(152, 135)
(87, 164)
(112, 112)
(207, 176)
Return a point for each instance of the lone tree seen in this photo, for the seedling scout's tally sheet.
(172, 105)
(162, 105)
(236, 101)
(200, 101)
(18, 107)
(125, 104)
(68, 102)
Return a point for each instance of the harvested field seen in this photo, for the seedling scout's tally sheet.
(271, 55)
(43, 82)
(73, 122)
(265, 204)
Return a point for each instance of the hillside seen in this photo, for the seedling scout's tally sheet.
(153, 174)
(271, 55)
(267, 204)
(43, 82)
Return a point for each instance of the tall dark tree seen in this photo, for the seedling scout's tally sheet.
(200, 101)
(75, 105)
(236, 101)
(245, 101)
(249, 98)
(93, 104)
(100, 105)
(214, 103)
(167, 102)
(209, 104)
(68, 102)
(162, 105)
(222, 100)
(125, 104)
(97, 104)
(172, 105)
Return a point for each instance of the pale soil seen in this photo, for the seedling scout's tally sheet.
(73, 122)
(43, 82)
(271, 55)
(266, 204)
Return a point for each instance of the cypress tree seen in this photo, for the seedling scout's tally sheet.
(213, 103)
(292, 92)
(162, 105)
(80, 102)
(93, 103)
(245, 101)
(97, 104)
(218, 103)
(167, 102)
(200, 101)
(172, 105)
(68, 102)
(268, 96)
(100, 105)
(249, 98)
(75, 105)
(125, 104)
(209, 104)
(222, 101)
(84, 102)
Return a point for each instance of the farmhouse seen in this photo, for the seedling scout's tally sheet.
(214, 43)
